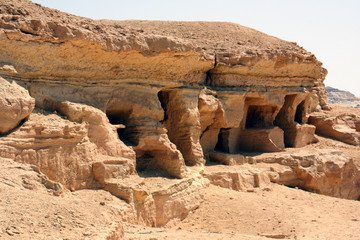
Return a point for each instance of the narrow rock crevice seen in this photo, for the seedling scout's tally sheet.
(163, 97)
(209, 77)
(222, 145)
(300, 112)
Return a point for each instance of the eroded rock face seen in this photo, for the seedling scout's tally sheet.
(328, 172)
(157, 201)
(66, 150)
(171, 92)
(168, 90)
(122, 104)
(15, 105)
(342, 127)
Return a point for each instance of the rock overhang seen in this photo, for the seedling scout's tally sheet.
(173, 91)
(91, 51)
(141, 104)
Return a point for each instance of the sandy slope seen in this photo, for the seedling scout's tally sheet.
(29, 211)
(279, 213)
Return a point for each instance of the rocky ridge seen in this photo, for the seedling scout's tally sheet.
(140, 108)
(340, 97)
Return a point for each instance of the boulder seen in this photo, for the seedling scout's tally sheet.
(15, 105)
(300, 135)
(326, 171)
(343, 127)
(157, 201)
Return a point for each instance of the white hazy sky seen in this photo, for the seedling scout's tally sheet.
(328, 28)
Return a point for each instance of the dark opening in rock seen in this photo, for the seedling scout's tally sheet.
(164, 100)
(119, 115)
(222, 145)
(148, 165)
(260, 116)
(300, 112)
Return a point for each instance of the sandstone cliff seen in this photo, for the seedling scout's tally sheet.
(149, 76)
(120, 103)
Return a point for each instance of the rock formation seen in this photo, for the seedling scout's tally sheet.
(15, 105)
(121, 103)
(341, 126)
(340, 97)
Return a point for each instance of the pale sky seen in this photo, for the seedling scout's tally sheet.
(329, 29)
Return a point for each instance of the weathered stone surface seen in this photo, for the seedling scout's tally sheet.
(15, 105)
(212, 119)
(182, 121)
(178, 200)
(343, 127)
(292, 118)
(135, 193)
(262, 140)
(138, 101)
(66, 150)
(160, 88)
(139, 44)
(94, 213)
(135, 112)
(158, 201)
(328, 172)
(244, 178)
(227, 159)
(300, 135)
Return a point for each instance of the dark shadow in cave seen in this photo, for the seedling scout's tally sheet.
(300, 109)
(259, 116)
(163, 97)
(119, 115)
(147, 166)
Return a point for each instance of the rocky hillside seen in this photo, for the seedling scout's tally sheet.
(140, 109)
(337, 96)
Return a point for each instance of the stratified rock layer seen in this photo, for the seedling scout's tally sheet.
(121, 103)
(344, 127)
(174, 91)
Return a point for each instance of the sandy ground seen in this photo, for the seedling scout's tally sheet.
(30, 211)
(282, 212)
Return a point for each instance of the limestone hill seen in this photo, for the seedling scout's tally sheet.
(138, 121)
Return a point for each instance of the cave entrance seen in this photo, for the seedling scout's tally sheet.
(163, 97)
(119, 116)
(221, 145)
(260, 116)
(300, 112)
(148, 164)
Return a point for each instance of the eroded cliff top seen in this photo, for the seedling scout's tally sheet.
(209, 37)
(180, 50)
